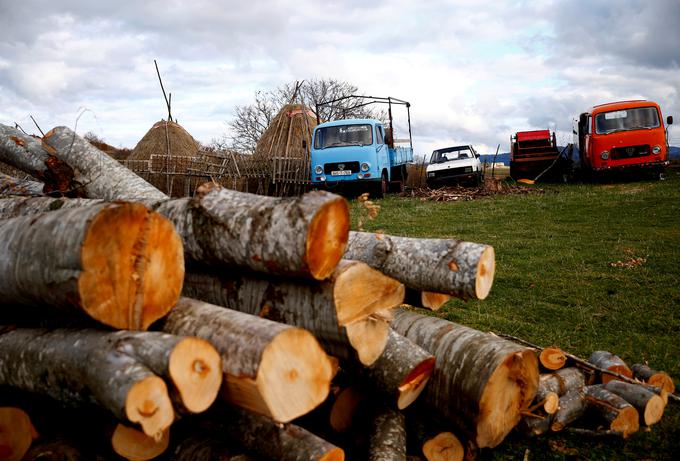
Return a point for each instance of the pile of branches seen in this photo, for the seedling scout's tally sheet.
(460, 193)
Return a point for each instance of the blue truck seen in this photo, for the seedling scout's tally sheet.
(360, 154)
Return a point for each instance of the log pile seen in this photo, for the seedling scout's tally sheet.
(280, 339)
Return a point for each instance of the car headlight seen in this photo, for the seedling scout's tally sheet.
(318, 169)
(365, 166)
(468, 169)
(430, 175)
(656, 150)
(604, 155)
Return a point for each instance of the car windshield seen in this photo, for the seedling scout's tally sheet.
(628, 119)
(343, 135)
(453, 153)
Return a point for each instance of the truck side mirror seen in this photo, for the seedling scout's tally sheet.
(669, 120)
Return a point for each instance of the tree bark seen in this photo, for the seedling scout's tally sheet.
(653, 377)
(480, 380)
(560, 382)
(572, 406)
(345, 313)
(86, 366)
(135, 445)
(649, 405)
(202, 447)
(552, 358)
(119, 263)
(461, 269)
(402, 370)
(611, 362)
(22, 187)
(270, 368)
(100, 175)
(388, 436)
(16, 433)
(262, 436)
(27, 154)
(620, 415)
(14, 207)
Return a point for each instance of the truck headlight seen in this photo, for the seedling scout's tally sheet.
(365, 166)
(656, 150)
(604, 155)
(318, 169)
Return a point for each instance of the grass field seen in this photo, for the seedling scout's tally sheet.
(562, 278)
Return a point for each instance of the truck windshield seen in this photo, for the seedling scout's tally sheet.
(343, 135)
(628, 119)
(453, 153)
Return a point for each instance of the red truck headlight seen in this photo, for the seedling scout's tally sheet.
(656, 150)
(604, 155)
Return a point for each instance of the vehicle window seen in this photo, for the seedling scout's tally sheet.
(379, 135)
(343, 135)
(638, 118)
(453, 153)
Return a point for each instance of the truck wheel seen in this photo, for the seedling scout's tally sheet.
(382, 187)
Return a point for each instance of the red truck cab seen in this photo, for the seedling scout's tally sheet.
(622, 136)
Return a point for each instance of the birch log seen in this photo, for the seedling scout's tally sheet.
(426, 299)
(552, 358)
(402, 370)
(655, 378)
(283, 442)
(270, 368)
(85, 366)
(119, 263)
(611, 362)
(621, 416)
(480, 380)
(100, 175)
(135, 445)
(571, 407)
(649, 405)
(345, 313)
(23, 187)
(388, 436)
(560, 382)
(461, 269)
(304, 236)
(16, 433)
(27, 154)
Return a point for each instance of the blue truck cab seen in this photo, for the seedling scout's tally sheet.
(358, 153)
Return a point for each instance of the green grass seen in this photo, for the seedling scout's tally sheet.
(555, 285)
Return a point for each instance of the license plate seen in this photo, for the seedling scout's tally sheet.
(341, 173)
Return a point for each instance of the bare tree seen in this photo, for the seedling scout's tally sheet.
(251, 120)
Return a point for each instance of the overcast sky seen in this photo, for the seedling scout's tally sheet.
(474, 71)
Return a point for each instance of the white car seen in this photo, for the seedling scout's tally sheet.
(453, 166)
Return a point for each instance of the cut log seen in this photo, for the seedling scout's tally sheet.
(461, 269)
(16, 433)
(649, 405)
(548, 401)
(202, 447)
(14, 207)
(571, 407)
(119, 263)
(100, 175)
(621, 416)
(288, 442)
(426, 299)
(27, 154)
(345, 313)
(291, 236)
(23, 187)
(434, 438)
(270, 368)
(192, 365)
(402, 370)
(480, 380)
(655, 378)
(445, 446)
(57, 449)
(560, 382)
(135, 445)
(304, 236)
(345, 407)
(388, 436)
(552, 358)
(611, 362)
(535, 424)
(85, 367)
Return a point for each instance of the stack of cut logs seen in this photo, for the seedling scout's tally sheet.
(229, 325)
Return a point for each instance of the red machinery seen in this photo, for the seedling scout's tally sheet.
(532, 153)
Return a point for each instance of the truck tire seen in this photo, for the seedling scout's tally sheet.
(382, 187)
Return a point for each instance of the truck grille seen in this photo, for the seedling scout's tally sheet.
(630, 152)
(452, 172)
(341, 166)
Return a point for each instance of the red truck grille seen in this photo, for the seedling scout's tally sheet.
(630, 152)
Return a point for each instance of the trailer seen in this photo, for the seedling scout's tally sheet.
(533, 154)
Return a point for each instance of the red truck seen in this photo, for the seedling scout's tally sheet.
(623, 136)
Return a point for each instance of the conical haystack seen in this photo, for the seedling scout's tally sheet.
(164, 156)
(283, 151)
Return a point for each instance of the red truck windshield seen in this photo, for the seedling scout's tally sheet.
(628, 119)
(343, 135)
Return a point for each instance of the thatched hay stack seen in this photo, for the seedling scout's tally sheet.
(283, 151)
(164, 156)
